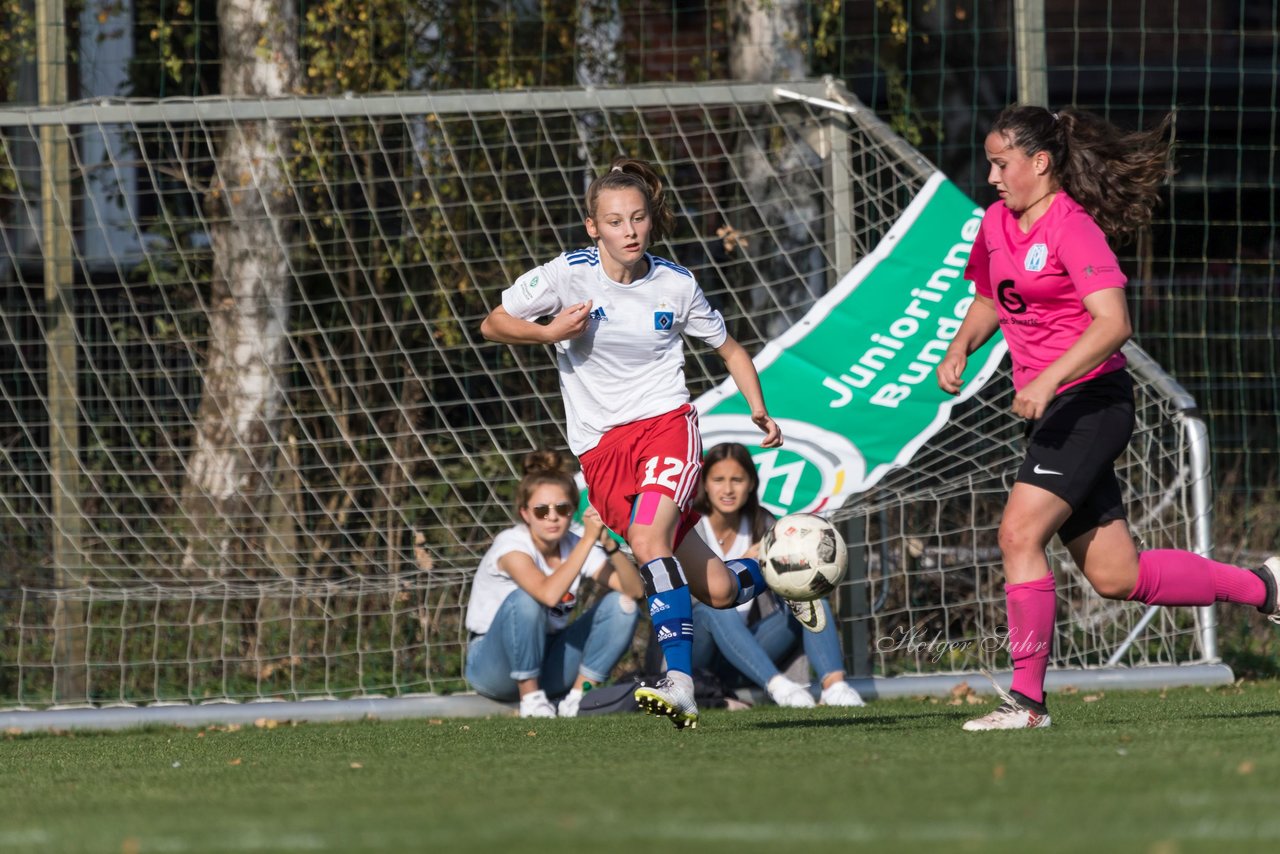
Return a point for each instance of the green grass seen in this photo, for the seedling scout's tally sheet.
(1185, 770)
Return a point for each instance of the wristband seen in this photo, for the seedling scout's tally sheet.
(614, 551)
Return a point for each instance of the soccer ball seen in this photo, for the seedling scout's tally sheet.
(803, 557)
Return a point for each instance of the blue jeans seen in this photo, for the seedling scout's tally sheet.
(517, 646)
(724, 644)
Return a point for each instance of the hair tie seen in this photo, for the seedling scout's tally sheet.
(616, 169)
(1055, 117)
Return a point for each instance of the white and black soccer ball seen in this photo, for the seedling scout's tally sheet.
(803, 557)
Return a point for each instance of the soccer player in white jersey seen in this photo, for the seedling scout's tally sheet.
(617, 317)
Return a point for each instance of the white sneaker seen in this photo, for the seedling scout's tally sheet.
(670, 698)
(536, 705)
(1269, 572)
(568, 707)
(841, 694)
(1016, 712)
(811, 615)
(790, 694)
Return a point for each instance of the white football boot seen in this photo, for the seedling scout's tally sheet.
(1269, 572)
(1015, 712)
(671, 697)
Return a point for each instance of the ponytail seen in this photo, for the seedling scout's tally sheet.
(628, 172)
(1115, 175)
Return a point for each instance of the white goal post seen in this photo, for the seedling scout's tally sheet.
(254, 445)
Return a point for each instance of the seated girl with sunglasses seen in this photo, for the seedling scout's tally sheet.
(522, 643)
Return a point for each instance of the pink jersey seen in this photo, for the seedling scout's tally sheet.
(1039, 280)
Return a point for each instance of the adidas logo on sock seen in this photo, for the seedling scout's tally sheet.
(657, 606)
(665, 634)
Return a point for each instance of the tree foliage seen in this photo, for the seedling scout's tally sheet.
(372, 45)
(390, 260)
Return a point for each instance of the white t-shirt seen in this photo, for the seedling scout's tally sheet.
(735, 547)
(629, 363)
(492, 585)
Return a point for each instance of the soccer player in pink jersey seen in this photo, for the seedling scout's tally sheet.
(617, 316)
(1045, 276)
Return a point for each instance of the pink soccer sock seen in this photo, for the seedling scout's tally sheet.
(1174, 577)
(1031, 607)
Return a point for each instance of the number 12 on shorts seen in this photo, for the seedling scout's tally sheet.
(668, 476)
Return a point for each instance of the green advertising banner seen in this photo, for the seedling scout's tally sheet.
(853, 385)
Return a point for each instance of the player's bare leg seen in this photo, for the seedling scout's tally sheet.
(651, 534)
(1031, 518)
(709, 579)
(1173, 577)
(1108, 558)
(671, 580)
(722, 585)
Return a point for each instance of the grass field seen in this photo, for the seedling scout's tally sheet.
(1182, 770)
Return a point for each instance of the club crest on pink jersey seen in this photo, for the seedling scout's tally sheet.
(1036, 256)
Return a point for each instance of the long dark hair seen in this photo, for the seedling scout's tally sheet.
(1115, 175)
(630, 173)
(760, 519)
(545, 467)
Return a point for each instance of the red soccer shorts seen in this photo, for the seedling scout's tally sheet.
(659, 455)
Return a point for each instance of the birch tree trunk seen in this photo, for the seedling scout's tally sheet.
(768, 40)
(598, 63)
(768, 45)
(230, 470)
(599, 31)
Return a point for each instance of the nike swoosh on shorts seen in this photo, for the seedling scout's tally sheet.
(1039, 470)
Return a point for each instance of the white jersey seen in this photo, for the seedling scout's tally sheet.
(492, 585)
(629, 363)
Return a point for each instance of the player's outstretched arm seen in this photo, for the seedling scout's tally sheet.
(505, 328)
(743, 370)
(980, 323)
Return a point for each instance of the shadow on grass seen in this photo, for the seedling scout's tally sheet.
(882, 721)
(1231, 716)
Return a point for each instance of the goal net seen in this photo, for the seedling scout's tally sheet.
(254, 445)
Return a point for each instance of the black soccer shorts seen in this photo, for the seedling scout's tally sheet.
(1073, 447)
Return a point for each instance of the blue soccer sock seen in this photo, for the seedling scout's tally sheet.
(746, 572)
(671, 610)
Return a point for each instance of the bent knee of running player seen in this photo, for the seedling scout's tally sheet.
(655, 520)
(710, 580)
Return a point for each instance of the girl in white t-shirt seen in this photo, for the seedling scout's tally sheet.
(727, 641)
(522, 644)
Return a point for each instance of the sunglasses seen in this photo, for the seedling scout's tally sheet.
(540, 511)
